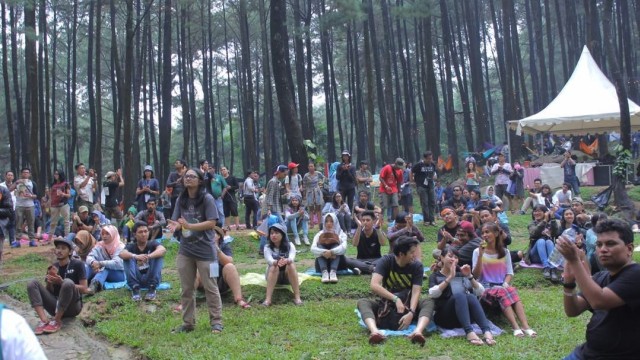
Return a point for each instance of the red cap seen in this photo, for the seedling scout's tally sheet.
(467, 227)
(292, 165)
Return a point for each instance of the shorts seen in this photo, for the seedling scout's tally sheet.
(230, 207)
(282, 276)
(223, 287)
(388, 200)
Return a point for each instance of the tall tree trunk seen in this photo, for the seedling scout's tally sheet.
(268, 120)
(164, 124)
(383, 115)
(301, 88)
(621, 198)
(116, 90)
(20, 119)
(368, 67)
(43, 95)
(31, 62)
(90, 89)
(475, 67)
(279, 56)
(447, 45)
(432, 104)
(326, 85)
(250, 138)
(98, 80)
(126, 92)
(7, 91)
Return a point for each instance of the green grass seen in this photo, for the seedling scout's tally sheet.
(325, 327)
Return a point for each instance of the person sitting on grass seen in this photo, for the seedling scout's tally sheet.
(465, 243)
(610, 295)
(448, 231)
(456, 294)
(61, 297)
(540, 243)
(341, 210)
(154, 219)
(280, 254)
(404, 227)
(398, 277)
(296, 216)
(104, 260)
(329, 246)
(368, 240)
(230, 279)
(590, 243)
(492, 267)
(143, 260)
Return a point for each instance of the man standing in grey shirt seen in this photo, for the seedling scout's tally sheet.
(26, 190)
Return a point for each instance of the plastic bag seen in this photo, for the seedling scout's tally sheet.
(601, 199)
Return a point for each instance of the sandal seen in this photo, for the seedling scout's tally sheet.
(488, 338)
(266, 303)
(530, 332)
(243, 304)
(297, 302)
(417, 338)
(475, 340)
(518, 333)
(376, 338)
(216, 328)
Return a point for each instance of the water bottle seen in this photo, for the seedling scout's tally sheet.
(556, 259)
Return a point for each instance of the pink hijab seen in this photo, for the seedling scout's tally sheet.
(115, 242)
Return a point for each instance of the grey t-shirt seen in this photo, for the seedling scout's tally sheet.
(197, 244)
(23, 191)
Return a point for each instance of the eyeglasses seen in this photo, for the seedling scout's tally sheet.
(189, 176)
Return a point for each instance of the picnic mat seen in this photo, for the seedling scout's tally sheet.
(122, 284)
(445, 333)
(260, 280)
(312, 271)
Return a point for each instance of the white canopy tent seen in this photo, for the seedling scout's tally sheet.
(588, 103)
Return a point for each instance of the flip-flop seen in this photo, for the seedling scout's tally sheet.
(297, 302)
(417, 338)
(518, 333)
(475, 341)
(243, 304)
(530, 332)
(376, 338)
(489, 339)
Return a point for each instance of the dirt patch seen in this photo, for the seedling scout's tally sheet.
(44, 250)
(73, 341)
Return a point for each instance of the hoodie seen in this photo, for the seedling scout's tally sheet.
(338, 250)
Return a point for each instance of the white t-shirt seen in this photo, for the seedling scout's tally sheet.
(18, 340)
(85, 193)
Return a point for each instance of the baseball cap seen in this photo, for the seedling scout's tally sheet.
(82, 209)
(467, 227)
(281, 168)
(109, 174)
(148, 168)
(292, 165)
(66, 240)
(345, 152)
(399, 162)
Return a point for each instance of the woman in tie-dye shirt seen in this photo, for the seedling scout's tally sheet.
(493, 268)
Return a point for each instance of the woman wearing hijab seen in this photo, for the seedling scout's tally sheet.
(329, 246)
(104, 260)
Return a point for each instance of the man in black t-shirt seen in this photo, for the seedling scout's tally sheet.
(613, 295)
(61, 297)
(423, 174)
(368, 241)
(448, 231)
(398, 273)
(154, 219)
(143, 260)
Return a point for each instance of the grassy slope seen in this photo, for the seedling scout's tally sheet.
(324, 326)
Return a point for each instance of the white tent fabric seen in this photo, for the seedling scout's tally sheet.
(588, 103)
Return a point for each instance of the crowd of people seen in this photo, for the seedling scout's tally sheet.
(473, 265)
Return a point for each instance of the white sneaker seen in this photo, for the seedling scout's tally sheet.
(297, 241)
(333, 277)
(325, 276)
(306, 240)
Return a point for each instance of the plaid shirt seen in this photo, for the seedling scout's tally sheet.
(272, 196)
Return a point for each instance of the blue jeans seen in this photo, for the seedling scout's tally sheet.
(151, 278)
(460, 310)
(575, 184)
(572, 356)
(328, 264)
(220, 208)
(293, 225)
(105, 275)
(539, 253)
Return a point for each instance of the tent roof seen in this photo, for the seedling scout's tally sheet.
(588, 103)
